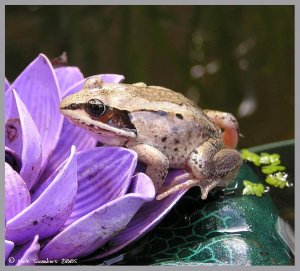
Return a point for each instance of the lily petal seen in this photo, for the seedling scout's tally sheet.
(104, 174)
(94, 229)
(17, 196)
(38, 88)
(6, 84)
(144, 220)
(7, 101)
(112, 78)
(9, 246)
(22, 136)
(68, 76)
(27, 254)
(107, 78)
(70, 135)
(49, 212)
(13, 129)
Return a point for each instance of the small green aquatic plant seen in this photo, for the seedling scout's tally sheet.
(251, 156)
(251, 188)
(277, 180)
(271, 166)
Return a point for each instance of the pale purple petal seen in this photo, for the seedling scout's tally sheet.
(41, 186)
(104, 174)
(67, 77)
(22, 136)
(70, 135)
(107, 78)
(9, 246)
(94, 229)
(8, 97)
(17, 196)
(13, 129)
(49, 212)
(144, 220)
(29, 253)
(6, 84)
(112, 78)
(38, 88)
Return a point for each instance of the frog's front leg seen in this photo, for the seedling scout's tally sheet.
(210, 165)
(228, 123)
(157, 163)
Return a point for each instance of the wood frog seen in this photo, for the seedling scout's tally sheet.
(165, 129)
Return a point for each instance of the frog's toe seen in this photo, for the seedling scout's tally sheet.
(164, 192)
(208, 185)
(205, 186)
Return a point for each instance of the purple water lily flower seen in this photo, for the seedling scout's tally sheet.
(65, 197)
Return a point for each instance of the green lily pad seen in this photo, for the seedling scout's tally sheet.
(228, 228)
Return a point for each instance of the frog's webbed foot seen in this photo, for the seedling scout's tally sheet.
(228, 123)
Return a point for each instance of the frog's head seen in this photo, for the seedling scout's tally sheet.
(92, 109)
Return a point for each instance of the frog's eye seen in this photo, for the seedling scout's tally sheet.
(95, 108)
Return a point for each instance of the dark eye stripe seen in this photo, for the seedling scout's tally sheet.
(115, 118)
(112, 116)
(122, 120)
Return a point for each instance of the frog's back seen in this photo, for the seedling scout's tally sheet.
(166, 105)
(161, 94)
(151, 98)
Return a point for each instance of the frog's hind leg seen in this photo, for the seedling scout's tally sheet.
(209, 166)
(228, 123)
(212, 165)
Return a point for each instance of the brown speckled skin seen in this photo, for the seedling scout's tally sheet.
(173, 136)
(170, 132)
